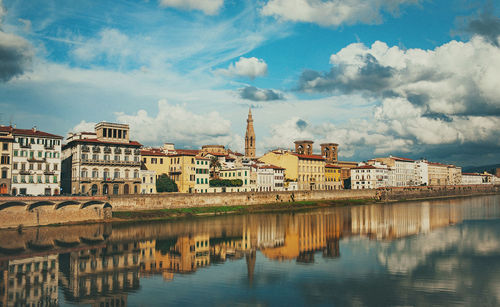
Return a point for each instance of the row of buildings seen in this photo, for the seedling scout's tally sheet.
(106, 161)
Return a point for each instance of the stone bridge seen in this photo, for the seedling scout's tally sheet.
(35, 211)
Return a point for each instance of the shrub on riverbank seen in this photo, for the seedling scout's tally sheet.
(226, 183)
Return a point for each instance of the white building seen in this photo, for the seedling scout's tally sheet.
(404, 173)
(102, 162)
(472, 178)
(422, 172)
(369, 177)
(265, 179)
(148, 181)
(36, 162)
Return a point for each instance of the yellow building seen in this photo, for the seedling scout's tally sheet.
(307, 170)
(332, 177)
(242, 173)
(183, 169)
(438, 173)
(155, 160)
(285, 159)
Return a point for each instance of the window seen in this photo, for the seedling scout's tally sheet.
(117, 158)
(16, 153)
(31, 179)
(47, 179)
(117, 173)
(14, 179)
(4, 173)
(84, 173)
(39, 179)
(5, 146)
(95, 173)
(55, 179)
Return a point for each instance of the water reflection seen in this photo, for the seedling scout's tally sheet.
(406, 247)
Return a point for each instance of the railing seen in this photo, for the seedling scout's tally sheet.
(25, 145)
(48, 146)
(110, 162)
(34, 159)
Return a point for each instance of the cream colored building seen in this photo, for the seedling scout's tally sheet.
(148, 181)
(472, 178)
(202, 184)
(102, 162)
(438, 173)
(155, 160)
(242, 173)
(369, 177)
(454, 175)
(403, 171)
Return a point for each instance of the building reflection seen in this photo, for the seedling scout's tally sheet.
(29, 281)
(101, 266)
(101, 276)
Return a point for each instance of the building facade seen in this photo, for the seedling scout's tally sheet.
(332, 177)
(148, 181)
(36, 162)
(102, 163)
(6, 144)
(369, 177)
(438, 173)
(472, 178)
(202, 184)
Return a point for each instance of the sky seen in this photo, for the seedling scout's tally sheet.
(412, 78)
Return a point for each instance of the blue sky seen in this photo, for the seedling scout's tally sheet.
(417, 78)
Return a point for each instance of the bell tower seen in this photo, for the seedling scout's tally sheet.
(329, 151)
(250, 137)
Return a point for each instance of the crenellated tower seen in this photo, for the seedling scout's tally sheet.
(250, 137)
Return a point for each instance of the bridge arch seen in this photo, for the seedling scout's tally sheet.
(12, 204)
(38, 204)
(66, 203)
(90, 203)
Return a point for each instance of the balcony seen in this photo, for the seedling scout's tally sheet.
(36, 160)
(25, 146)
(109, 162)
(96, 149)
(85, 149)
(128, 151)
(48, 147)
(24, 172)
(47, 172)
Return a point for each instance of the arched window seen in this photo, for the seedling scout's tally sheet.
(93, 190)
(14, 191)
(105, 189)
(116, 188)
(136, 174)
(136, 189)
(125, 189)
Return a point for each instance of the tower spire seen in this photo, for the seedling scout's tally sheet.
(250, 136)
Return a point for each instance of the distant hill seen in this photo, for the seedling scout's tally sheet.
(479, 169)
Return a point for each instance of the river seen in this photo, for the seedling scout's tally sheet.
(419, 253)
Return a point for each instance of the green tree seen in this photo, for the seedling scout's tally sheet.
(166, 184)
(214, 164)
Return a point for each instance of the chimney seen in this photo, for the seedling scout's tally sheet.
(34, 129)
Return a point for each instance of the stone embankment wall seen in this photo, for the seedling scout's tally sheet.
(407, 193)
(174, 201)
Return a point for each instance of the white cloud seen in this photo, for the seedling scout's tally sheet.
(209, 7)
(174, 123)
(245, 67)
(83, 126)
(332, 12)
(110, 43)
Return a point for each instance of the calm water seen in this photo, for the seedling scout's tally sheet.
(407, 254)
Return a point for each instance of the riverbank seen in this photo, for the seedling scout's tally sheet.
(180, 213)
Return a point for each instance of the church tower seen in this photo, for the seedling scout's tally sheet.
(250, 137)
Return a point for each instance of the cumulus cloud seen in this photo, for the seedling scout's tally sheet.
(209, 7)
(333, 12)
(245, 67)
(83, 126)
(174, 123)
(457, 78)
(257, 94)
(15, 56)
